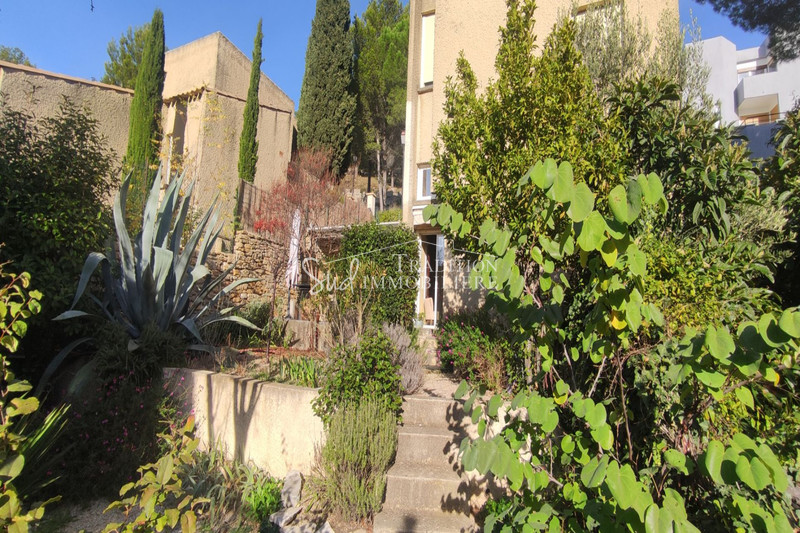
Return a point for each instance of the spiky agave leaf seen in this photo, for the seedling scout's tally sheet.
(159, 280)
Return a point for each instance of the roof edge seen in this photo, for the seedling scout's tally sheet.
(65, 77)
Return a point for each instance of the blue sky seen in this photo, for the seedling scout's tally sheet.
(65, 36)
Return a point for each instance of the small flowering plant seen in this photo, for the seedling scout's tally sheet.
(158, 495)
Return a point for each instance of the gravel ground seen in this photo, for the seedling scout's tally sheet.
(90, 518)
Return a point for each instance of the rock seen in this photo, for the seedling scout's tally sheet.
(284, 517)
(326, 528)
(292, 487)
(305, 527)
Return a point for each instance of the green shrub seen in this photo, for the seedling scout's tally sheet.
(476, 348)
(387, 255)
(394, 214)
(365, 370)
(112, 431)
(610, 442)
(17, 304)
(55, 177)
(262, 494)
(158, 494)
(238, 496)
(783, 172)
(350, 476)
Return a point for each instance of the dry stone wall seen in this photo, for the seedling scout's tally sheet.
(255, 257)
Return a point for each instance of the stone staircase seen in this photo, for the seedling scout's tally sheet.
(426, 489)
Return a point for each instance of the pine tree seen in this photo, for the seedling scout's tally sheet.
(248, 144)
(145, 120)
(381, 40)
(326, 112)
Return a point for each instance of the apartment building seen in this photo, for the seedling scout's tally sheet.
(752, 90)
(439, 31)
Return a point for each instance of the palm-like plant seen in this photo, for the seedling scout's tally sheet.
(158, 280)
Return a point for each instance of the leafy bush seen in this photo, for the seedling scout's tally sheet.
(407, 358)
(262, 494)
(542, 104)
(365, 370)
(55, 178)
(598, 453)
(237, 496)
(350, 475)
(385, 257)
(476, 348)
(112, 431)
(17, 304)
(783, 172)
(394, 214)
(159, 494)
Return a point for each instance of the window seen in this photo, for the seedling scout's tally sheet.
(424, 185)
(426, 58)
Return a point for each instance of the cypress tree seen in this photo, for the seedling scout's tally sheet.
(248, 145)
(326, 113)
(145, 121)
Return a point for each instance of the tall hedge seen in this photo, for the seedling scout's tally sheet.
(326, 113)
(248, 144)
(145, 121)
(389, 257)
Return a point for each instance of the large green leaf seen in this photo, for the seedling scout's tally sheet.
(719, 342)
(596, 416)
(564, 187)
(622, 483)
(594, 472)
(11, 468)
(544, 176)
(634, 198)
(713, 460)
(637, 261)
(658, 520)
(618, 202)
(790, 323)
(592, 235)
(652, 189)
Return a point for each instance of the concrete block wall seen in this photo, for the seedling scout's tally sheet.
(270, 424)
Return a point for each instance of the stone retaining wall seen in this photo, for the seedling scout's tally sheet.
(255, 257)
(270, 424)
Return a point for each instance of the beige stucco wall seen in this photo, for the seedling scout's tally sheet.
(211, 76)
(41, 92)
(205, 91)
(271, 424)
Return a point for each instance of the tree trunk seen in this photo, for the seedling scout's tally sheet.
(271, 315)
(381, 143)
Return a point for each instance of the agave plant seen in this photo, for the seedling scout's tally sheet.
(159, 281)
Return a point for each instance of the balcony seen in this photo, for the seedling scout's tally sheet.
(757, 96)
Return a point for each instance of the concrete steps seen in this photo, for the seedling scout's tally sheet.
(426, 490)
(399, 521)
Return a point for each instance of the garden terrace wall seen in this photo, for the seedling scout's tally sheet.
(255, 257)
(270, 424)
